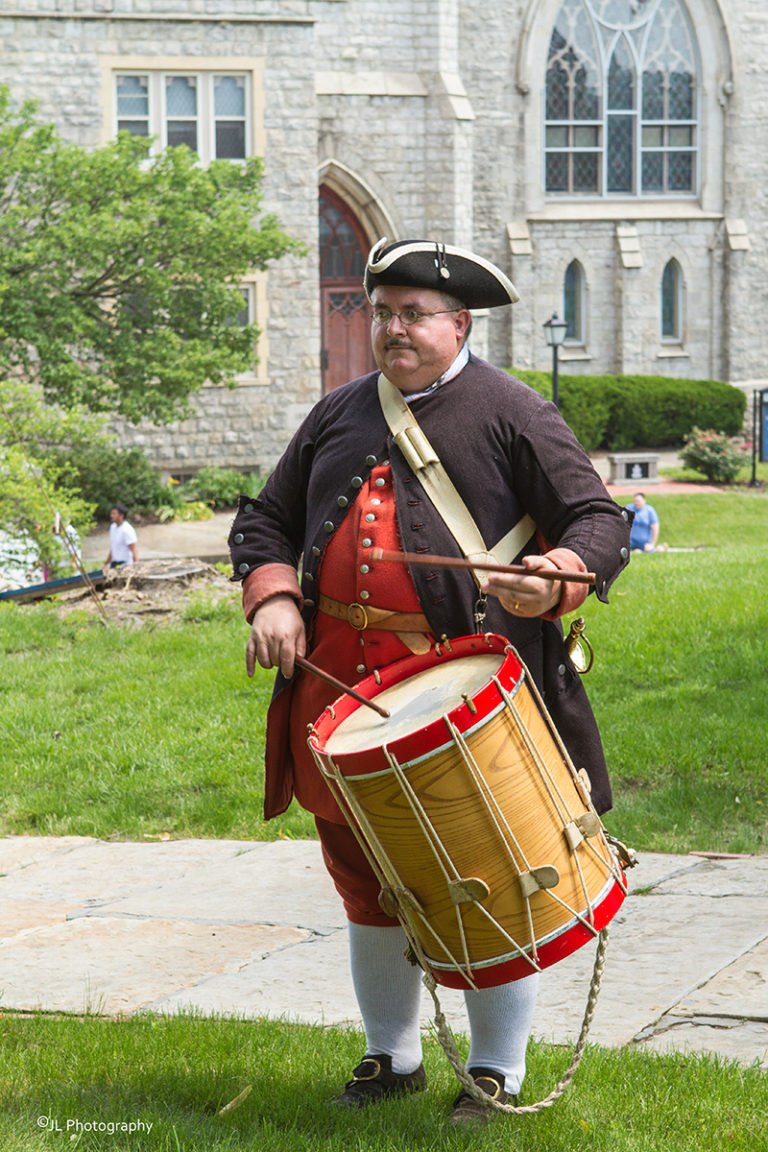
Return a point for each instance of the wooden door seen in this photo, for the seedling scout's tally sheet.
(346, 315)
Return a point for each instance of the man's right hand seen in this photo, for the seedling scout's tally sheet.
(277, 636)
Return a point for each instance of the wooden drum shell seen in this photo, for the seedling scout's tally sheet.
(484, 793)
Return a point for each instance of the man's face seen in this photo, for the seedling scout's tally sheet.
(115, 516)
(639, 501)
(413, 357)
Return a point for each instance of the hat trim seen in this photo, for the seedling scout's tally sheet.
(419, 246)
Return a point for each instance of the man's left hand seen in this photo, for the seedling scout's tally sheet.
(526, 595)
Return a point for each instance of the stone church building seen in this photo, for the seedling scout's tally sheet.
(609, 155)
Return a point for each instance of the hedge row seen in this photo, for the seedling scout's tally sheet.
(624, 412)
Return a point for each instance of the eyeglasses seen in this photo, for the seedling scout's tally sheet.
(408, 317)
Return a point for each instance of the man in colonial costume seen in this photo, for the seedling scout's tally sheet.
(344, 489)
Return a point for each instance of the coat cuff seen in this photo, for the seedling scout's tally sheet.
(573, 595)
(268, 581)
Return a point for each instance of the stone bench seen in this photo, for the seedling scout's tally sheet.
(633, 468)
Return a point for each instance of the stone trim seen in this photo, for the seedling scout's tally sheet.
(519, 237)
(108, 17)
(629, 246)
(738, 236)
(625, 210)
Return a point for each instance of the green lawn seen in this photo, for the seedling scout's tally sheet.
(156, 731)
(679, 681)
(176, 1074)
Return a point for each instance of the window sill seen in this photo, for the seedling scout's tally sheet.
(672, 352)
(625, 210)
(574, 353)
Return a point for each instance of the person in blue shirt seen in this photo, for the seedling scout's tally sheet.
(645, 526)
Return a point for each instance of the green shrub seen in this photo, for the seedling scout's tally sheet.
(221, 487)
(713, 454)
(106, 475)
(624, 412)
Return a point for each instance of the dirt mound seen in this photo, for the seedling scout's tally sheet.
(151, 589)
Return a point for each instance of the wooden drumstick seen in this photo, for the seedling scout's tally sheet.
(322, 675)
(481, 566)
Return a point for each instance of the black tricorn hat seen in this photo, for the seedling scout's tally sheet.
(429, 264)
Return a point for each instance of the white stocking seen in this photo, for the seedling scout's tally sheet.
(500, 1021)
(388, 991)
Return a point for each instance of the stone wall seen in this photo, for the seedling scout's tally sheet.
(428, 116)
(66, 61)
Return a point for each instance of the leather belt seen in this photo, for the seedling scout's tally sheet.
(361, 616)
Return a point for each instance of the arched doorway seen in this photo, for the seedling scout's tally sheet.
(346, 348)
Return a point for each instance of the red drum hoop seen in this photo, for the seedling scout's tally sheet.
(471, 813)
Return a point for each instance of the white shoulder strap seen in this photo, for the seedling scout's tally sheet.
(425, 463)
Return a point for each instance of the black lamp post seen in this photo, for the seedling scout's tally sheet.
(555, 331)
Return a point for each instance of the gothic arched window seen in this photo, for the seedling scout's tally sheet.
(621, 99)
(342, 249)
(573, 302)
(672, 302)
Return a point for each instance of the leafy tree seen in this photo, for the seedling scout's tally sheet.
(34, 489)
(118, 271)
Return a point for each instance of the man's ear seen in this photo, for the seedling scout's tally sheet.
(463, 321)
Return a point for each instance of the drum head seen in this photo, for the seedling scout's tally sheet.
(414, 703)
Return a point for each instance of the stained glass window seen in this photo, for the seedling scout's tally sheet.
(671, 302)
(133, 105)
(621, 99)
(206, 112)
(341, 254)
(573, 312)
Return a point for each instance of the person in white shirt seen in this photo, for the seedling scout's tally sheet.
(123, 541)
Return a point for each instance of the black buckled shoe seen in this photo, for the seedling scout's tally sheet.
(467, 1110)
(374, 1080)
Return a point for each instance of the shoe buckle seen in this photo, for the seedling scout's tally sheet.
(358, 1072)
(481, 1081)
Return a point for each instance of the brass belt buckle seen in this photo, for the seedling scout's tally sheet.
(357, 616)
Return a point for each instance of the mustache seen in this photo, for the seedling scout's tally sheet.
(396, 342)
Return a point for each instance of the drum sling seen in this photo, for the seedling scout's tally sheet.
(425, 464)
